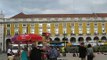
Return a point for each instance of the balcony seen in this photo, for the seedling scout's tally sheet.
(103, 33)
(96, 33)
(88, 34)
(72, 34)
(80, 34)
(57, 34)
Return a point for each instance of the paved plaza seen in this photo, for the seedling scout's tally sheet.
(68, 57)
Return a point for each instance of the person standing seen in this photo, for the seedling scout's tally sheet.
(24, 55)
(90, 54)
(82, 51)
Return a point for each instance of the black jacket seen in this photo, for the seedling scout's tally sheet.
(35, 54)
(82, 51)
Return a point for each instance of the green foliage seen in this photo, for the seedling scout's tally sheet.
(95, 48)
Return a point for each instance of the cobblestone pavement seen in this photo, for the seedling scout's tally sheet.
(97, 57)
(3, 56)
(68, 57)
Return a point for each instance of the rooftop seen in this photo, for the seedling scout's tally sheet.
(22, 15)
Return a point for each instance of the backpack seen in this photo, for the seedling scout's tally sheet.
(53, 53)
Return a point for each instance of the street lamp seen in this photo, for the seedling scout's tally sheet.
(65, 39)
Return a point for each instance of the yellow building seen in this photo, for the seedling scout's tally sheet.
(75, 27)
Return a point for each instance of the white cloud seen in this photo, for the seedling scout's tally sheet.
(11, 7)
(99, 2)
(54, 11)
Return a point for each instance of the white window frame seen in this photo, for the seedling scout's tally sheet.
(32, 25)
(16, 25)
(24, 30)
(16, 30)
(32, 30)
(56, 25)
(64, 25)
(49, 30)
(56, 31)
(40, 25)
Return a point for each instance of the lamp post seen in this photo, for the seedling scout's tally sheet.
(64, 39)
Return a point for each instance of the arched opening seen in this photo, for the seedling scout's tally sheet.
(50, 39)
(65, 39)
(57, 39)
(80, 39)
(8, 42)
(88, 39)
(96, 38)
(103, 38)
(72, 39)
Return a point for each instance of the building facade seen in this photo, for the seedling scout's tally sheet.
(75, 27)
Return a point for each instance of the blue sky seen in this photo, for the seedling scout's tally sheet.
(13, 7)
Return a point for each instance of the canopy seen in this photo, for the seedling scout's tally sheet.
(35, 37)
(23, 37)
(26, 38)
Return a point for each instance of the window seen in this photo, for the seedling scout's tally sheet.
(40, 31)
(32, 30)
(88, 30)
(16, 25)
(80, 24)
(95, 25)
(72, 24)
(8, 31)
(88, 25)
(95, 30)
(16, 30)
(40, 25)
(8, 25)
(80, 31)
(56, 31)
(64, 25)
(64, 30)
(48, 25)
(24, 25)
(56, 25)
(24, 30)
(103, 30)
(48, 30)
(73, 31)
(32, 25)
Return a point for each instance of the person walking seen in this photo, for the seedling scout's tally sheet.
(63, 51)
(82, 51)
(90, 53)
(24, 54)
(10, 55)
(36, 53)
(53, 53)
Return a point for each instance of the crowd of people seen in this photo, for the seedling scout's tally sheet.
(35, 53)
(83, 52)
(48, 53)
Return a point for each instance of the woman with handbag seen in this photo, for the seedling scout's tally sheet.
(90, 53)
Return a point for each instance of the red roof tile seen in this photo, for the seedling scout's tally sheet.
(22, 15)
